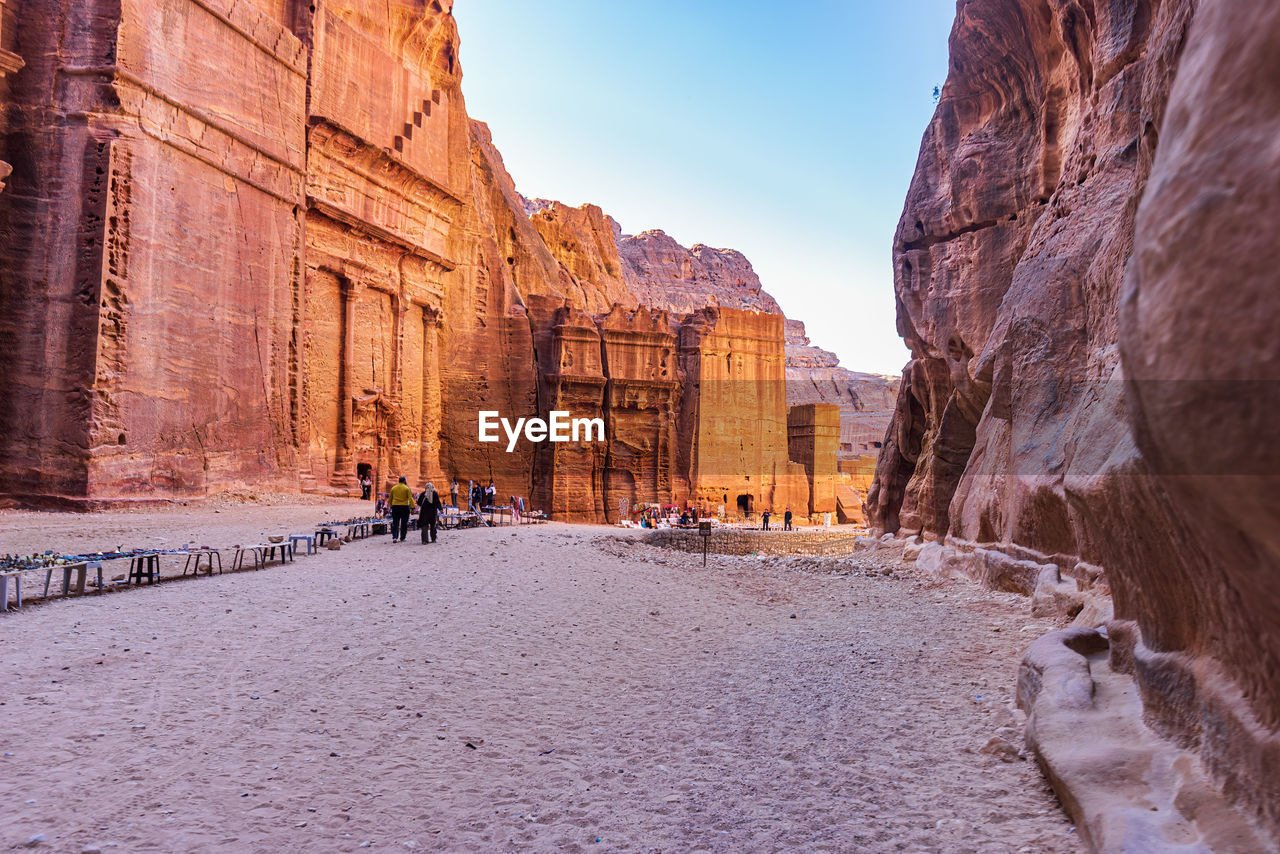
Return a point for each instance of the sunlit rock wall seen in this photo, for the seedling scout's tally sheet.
(1091, 322)
(813, 432)
(569, 476)
(866, 401)
(139, 183)
(641, 403)
(733, 419)
(387, 174)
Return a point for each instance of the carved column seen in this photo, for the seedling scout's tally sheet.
(10, 63)
(429, 447)
(395, 410)
(343, 475)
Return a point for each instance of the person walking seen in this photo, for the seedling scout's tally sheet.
(428, 513)
(453, 492)
(765, 516)
(401, 507)
(786, 520)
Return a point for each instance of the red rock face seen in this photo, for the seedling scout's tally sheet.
(733, 417)
(866, 401)
(667, 276)
(143, 365)
(10, 63)
(386, 175)
(1054, 408)
(203, 295)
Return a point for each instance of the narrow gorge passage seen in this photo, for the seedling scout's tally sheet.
(549, 688)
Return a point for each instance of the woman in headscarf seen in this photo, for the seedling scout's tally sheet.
(428, 512)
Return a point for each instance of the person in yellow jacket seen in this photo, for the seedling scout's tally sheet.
(401, 507)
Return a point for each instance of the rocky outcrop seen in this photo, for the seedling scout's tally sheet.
(202, 295)
(1079, 244)
(668, 277)
(582, 241)
(866, 401)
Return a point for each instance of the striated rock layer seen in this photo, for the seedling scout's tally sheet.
(1082, 277)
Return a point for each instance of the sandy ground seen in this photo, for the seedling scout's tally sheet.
(547, 688)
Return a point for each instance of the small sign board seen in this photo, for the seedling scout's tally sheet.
(704, 528)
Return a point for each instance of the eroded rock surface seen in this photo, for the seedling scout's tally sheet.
(866, 401)
(10, 63)
(1082, 282)
(202, 294)
(1128, 790)
(667, 276)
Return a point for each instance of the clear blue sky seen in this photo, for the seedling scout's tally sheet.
(786, 130)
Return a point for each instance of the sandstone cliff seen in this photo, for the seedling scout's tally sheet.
(10, 63)
(1081, 281)
(202, 294)
(582, 240)
(665, 275)
(866, 401)
(669, 277)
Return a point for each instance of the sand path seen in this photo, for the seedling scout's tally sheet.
(535, 689)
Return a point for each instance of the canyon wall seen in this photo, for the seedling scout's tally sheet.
(866, 401)
(386, 179)
(10, 63)
(151, 352)
(733, 415)
(324, 271)
(1081, 281)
